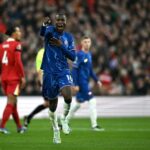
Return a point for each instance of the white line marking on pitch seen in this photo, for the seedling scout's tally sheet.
(117, 130)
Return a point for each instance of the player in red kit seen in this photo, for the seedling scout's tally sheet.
(12, 76)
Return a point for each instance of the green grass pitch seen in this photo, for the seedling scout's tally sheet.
(119, 134)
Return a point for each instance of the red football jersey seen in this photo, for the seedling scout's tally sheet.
(10, 60)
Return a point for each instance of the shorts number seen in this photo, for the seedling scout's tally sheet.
(69, 78)
(5, 58)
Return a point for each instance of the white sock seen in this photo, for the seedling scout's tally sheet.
(53, 118)
(93, 112)
(66, 109)
(73, 109)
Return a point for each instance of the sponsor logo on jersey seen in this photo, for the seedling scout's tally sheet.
(5, 45)
(66, 42)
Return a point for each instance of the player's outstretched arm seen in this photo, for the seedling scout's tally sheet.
(47, 22)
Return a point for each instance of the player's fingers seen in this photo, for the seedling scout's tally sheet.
(53, 39)
(47, 18)
(47, 21)
(52, 43)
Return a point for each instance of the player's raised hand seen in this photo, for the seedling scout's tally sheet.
(55, 42)
(47, 21)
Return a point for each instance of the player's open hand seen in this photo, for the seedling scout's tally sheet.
(47, 21)
(55, 42)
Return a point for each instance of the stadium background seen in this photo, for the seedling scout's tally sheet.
(120, 33)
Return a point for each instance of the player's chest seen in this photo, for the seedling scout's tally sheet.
(63, 38)
(86, 61)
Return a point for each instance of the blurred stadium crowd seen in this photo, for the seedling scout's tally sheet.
(120, 31)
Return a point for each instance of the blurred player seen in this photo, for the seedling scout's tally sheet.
(12, 76)
(41, 107)
(59, 46)
(81, 73)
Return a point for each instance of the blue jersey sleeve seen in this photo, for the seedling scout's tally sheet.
(46, 31)
(43, 30)
(70, 51)
(78, 60)
(93, 75)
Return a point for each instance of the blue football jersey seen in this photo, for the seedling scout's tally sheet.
(82, 68)
(55, 58)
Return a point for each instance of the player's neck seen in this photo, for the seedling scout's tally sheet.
(59, 31)
(85, 50)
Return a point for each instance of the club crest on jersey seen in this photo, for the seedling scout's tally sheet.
(66, 42)
(85, 60)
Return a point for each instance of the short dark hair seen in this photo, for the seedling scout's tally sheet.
(10, 30)
(85, 37)
(61, 15)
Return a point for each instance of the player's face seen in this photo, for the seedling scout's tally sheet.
(86, 44)
(60, 22)
(18, 34)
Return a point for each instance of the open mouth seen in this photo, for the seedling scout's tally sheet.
(60, 26)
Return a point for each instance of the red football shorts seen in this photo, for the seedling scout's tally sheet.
(11, 87)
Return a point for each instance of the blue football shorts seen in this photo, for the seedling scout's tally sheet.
(53, 83)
